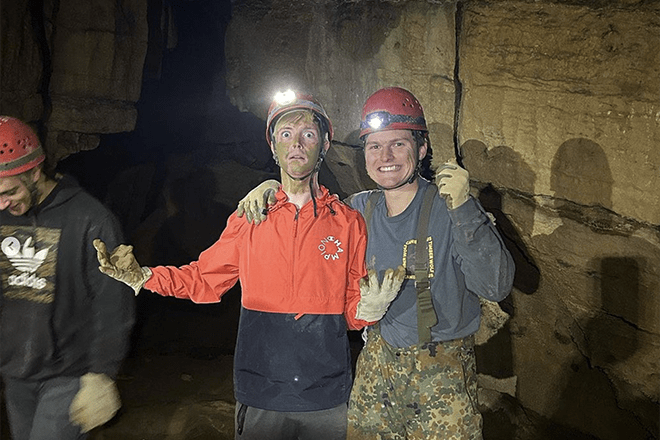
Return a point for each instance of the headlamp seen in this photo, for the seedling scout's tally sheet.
(381, 119)
(284, 102)
(285, 98)
(374, 121)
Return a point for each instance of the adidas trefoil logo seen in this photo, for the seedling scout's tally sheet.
(26, 260)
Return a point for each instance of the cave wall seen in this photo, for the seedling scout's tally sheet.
(72, 68)
(558, 124)
(560, 111)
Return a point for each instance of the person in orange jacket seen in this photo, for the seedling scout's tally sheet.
(301, 280)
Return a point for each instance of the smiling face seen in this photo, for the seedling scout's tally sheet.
(19, 193)
(391, 157)
(297, 143)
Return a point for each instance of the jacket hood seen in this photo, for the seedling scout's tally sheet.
(67, 187)
(325, 199)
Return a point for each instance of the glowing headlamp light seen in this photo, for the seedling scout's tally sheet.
(285, 98)
(381, 119)
(374, 121)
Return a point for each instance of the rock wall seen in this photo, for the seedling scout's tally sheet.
(558, 112)
(73, 68)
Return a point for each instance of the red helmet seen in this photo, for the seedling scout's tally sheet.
(290, 100)
(392, 108)
(20, 149)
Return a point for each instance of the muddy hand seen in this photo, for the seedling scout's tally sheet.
(122, 265)
(376, 297)
(453, 184)
(96, 402)
(256, 203)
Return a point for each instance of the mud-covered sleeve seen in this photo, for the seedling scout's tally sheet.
(211, 276)
(480, 252)
(112, 303)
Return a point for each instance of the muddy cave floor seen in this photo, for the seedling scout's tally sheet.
(176, 383)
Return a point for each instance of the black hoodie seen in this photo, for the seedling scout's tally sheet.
(60, 316)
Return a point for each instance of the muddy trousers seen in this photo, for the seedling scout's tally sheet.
(423, 392)
(259, 424)
(40, 410)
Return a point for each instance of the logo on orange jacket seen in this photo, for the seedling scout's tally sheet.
(330, 248)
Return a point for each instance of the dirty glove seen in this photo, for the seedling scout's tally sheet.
(96, 402)
(375, 299)
(453, 184)
(255, 204)
(122, 265)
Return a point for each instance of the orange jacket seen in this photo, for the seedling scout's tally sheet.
(291, 263)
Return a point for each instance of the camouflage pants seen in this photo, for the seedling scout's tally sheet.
(425, 392)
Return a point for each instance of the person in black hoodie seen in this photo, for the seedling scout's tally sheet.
(64, 326)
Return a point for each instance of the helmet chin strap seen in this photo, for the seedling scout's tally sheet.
(316, 169)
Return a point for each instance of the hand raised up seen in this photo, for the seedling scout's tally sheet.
(122, 265)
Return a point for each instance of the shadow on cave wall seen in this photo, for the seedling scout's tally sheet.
(594, 396)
